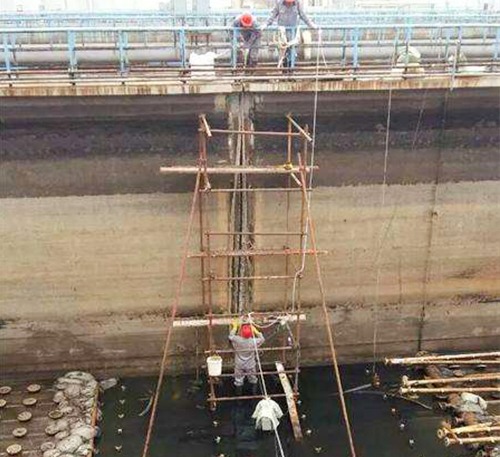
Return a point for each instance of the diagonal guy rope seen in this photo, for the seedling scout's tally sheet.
(173, 314)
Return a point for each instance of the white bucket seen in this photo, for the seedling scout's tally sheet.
(214, 365)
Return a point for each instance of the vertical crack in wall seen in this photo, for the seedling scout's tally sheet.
(431, 225)
(241, 214)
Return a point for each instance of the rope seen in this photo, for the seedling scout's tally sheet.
(310, 230)
(382, 205)
(264, 388)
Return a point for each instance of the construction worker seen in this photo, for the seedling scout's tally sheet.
(245, 339)
(287, 13)
(249, 35)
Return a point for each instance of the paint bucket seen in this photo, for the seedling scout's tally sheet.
(214, 365)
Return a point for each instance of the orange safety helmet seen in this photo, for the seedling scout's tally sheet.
(246, 20)
(246, 331)
(289, 1)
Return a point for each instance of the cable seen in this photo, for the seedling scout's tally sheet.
(264, 388)
(382, 205)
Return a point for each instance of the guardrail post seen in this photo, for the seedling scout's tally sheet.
(122, 47)
(182, 42)
(355, 47)
(6, 51)
(497, 45)
(234, 47)
(72, 51)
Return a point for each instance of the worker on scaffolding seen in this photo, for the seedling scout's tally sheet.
(245, 339)
(287, 13)
(249, 33)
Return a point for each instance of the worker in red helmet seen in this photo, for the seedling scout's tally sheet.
(245, 339)
(287, 13)
(248, 32)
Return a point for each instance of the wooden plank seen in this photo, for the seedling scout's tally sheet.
(290, 400)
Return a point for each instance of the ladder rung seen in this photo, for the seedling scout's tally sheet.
(247, 397)
(266, 349)
(256, 233)
(253, 132)
(261, 189)
(246, 278)
(253, 253)
(230, 375)
(232, 170)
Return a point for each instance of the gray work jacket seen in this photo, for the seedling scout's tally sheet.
(288, 14)
(244, 349)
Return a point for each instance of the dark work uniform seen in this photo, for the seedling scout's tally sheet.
(250, 39)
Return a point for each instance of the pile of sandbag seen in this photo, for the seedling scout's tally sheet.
(72, 431)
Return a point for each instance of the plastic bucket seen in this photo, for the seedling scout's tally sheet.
(214, 365)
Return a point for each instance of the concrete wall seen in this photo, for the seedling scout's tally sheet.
(92, 236)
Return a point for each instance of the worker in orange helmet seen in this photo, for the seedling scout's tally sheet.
(249, 34)
(245, 339)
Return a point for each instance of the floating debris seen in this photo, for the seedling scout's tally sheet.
(30, 401)
(108, 383)
(34, 388)
(2, 403)
(14, 449)
(25, 416)
(56, 414)
(5, 390)
(20, 432)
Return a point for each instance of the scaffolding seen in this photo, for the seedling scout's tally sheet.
(294, 171)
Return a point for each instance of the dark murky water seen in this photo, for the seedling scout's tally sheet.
(184, 426)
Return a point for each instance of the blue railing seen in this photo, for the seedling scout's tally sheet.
(349, 41)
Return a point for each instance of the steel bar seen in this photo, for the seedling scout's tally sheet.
(261, 252)
(270, 170)
(254, 132)
(446, 390)
(206, 127)
(256, 233)
(483, 440)
(225, 319)
(265, 349)
(246, 397)
(253, 189)
(473, 378)
(246, 278)
(230, 375)
(170, 326)
(326, 315)
(487, 427)
(454, 362)
(402, 361)
(299, 128)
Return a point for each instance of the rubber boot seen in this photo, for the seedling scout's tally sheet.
(255, 389)
(238, 391)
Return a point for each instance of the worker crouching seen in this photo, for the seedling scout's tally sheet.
(249, 39)
(245, 340)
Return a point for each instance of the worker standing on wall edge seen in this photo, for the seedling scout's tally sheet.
(244, 339)
(249, 35)
(287, 13)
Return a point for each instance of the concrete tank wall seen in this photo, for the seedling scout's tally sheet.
(91, 238)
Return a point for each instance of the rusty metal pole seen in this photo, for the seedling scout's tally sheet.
(326, 315)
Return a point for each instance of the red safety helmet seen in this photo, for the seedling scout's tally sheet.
(289, 1)
(246, 331)
(246, 20)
